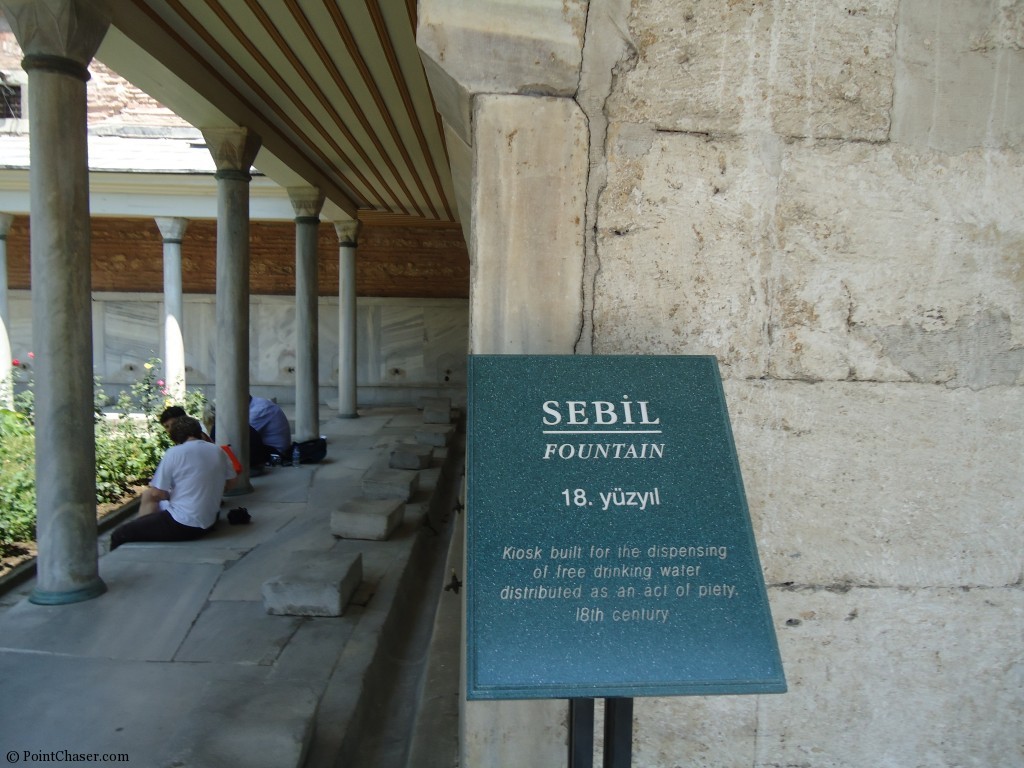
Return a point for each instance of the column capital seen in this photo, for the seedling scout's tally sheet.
(307, 202)
(52, 30)
(172, 229)
(348, 232)
(233, 149)
(5, 224)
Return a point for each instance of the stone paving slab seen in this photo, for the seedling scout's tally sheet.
(307, 532)
(362, 518)
(119, 706)
(178, 664)
(404, 421)
(237, 631)
(145, 615)
(438, 435)
(348, 468)
(390, 484)
(252, 724)
(184, 552)
(313, 650)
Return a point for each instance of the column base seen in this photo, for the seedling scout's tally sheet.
(348, 416)
(95, 589)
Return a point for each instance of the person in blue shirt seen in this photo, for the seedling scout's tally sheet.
(271, 425)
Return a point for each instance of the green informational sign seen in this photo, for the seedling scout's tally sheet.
(609, 546)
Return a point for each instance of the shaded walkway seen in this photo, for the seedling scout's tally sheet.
(178, 664)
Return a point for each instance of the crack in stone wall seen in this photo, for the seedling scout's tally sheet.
(606, 49)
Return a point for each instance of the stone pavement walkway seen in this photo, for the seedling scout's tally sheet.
(179, 663)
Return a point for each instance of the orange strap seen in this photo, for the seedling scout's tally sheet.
(234, 459)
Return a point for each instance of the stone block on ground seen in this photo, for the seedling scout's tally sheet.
(318, 585)
(437, 435)
(429, 479)
(437, 410)
(411, 456)
(434, 402)
(374, 519)
(390, 484)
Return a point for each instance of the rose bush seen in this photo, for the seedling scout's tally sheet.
(129, 445)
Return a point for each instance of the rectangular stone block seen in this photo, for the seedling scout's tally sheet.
(391, 484)
(429, 479)
(437, 435)
(411, 456)
(434, 402)
(437, 415)
(318, 585)
(374, 519)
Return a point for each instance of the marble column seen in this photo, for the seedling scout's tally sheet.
(307, 203)
(348, 233)
(172, 230)
(59, 39)
(233, 150)
(6, 370)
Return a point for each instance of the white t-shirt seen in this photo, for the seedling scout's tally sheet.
(194, 474)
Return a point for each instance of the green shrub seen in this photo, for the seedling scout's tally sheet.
(129, 444)
(17, 479)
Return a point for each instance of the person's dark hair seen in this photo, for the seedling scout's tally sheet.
(184, 427)
(172, 412)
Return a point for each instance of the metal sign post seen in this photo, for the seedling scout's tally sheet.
(618, 733)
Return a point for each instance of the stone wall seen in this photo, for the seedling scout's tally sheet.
(407, 348)
(827, 196)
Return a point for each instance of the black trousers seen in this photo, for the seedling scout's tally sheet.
(158, 526)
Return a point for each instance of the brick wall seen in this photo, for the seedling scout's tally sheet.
(423, 259)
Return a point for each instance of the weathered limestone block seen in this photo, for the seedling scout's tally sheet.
(694, 68)
(391, 484)
(529, 216)
(494, 733)
(683, 243)
(876, 676)
(958, 81)
(830, 69)
(800, 68)
(899, 485)
(534, 47)
(319, 584)
(410, 456)
(904, 267)
(372, 519)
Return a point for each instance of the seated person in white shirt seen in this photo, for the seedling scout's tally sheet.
(183, 498)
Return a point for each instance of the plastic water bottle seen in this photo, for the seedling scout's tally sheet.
(296, 458)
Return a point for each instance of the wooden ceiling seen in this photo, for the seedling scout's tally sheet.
(335, 89)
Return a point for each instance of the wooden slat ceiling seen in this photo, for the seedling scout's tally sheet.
(335, 88)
